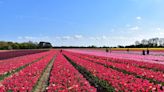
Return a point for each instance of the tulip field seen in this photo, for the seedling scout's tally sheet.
(9, 54)
(77, 70)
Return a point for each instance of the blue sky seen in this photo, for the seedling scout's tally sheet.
(81, 22)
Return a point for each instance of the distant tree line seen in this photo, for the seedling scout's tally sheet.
(24, 45)
(147, 43)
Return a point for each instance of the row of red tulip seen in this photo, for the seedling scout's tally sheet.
(25, 80)
(118, 80)
(65, 78)
(147, 65)
(14, 63)
(155, 75)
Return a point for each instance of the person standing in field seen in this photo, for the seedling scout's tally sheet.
(143, 52)
(107, 50)
(128, 50)
(148, 51)
(106, 56)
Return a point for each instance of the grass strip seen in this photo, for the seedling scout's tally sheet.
(43, 81)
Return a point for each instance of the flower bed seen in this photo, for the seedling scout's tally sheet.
(25, 80)
(65, 78)
(147, 65)
(9, 65)
(145, 73)
(119, 80)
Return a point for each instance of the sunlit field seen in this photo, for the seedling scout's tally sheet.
(78, 70)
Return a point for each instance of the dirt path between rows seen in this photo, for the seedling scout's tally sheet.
(12, 72)
(43, 81)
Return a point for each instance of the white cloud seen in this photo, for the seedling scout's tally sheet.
(78, 36)
(80, 40)
(32, 38)
(104, 37)
(73, 37)
(111, 40)
(20, 37)
(158, 28)
(138, 18)
(66, 37)
(161, 33)
(134, 28)
(112, 30)
(29, 38)
(47, 38)
(128, 25)
(91, 38)
(98, 38)
(57, 37)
